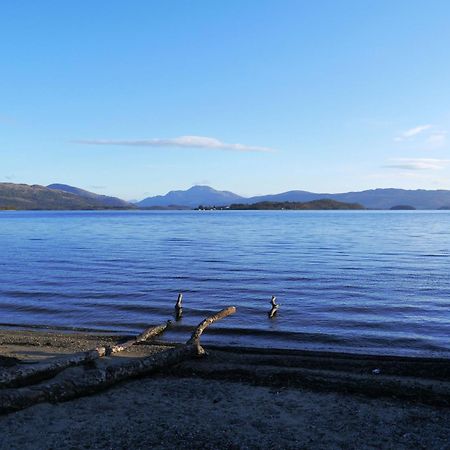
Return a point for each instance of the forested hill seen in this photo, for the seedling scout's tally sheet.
(325, 204)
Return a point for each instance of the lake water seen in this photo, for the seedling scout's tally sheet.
(357, 281)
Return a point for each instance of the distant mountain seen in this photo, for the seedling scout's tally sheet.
(290, 196)
(371, 199)
(104, 200)
(193, 197)
(35, 197)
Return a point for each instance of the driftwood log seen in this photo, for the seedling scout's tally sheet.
(95, 380)
(20, 376)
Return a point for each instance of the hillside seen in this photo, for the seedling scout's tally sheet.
(106, 201)
(35, 197)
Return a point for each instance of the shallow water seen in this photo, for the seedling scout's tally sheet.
(369, 281)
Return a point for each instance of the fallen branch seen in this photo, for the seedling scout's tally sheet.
(195, 337)
(20, 376)
(149, 333)
(98, 379)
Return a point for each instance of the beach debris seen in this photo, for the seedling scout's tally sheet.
(274, 308)
(90, 381)
(20, 376)
(179, 307)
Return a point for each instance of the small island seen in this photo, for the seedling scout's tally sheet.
(323, 204)
(402, 208)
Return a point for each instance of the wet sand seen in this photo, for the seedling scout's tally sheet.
(239, 398)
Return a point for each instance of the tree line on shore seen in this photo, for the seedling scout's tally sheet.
(324, 204)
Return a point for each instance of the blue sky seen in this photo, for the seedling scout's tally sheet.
(137, 98)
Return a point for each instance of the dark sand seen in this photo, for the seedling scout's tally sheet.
(239, 399)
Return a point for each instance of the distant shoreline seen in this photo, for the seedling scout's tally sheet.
(212, 209)
(15, 196)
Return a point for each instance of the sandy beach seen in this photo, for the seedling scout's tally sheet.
(237, 398)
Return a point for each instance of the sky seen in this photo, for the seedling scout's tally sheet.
(138, 98)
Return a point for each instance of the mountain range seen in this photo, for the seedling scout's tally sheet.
(62, 196)
(372, 199)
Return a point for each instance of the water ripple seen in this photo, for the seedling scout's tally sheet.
(355, 281)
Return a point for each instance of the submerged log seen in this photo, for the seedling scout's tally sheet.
(275, 307)
(20, 376)
(98, 379)
(179, 307)
(179, 301)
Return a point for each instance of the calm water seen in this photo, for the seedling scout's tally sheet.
(358, 281)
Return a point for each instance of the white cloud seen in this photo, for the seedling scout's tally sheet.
(417, 163)
(182, 141)
(412, 132)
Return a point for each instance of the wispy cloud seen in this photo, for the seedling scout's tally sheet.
(413, 132)
(417, 163)
(437, 139)
(203, 142)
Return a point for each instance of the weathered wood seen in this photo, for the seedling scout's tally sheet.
(98, 379)
(147, 334)
(178, 314)
(195, 337)
(179, 307)
(179, 301)
(20, 375)
(274, 308)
